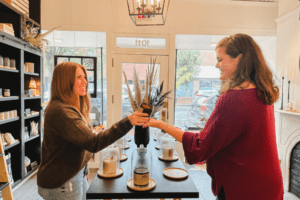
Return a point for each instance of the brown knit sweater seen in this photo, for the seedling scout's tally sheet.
(68, 142)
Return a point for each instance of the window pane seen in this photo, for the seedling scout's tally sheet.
(62, 59)
(197, 87)
(88, 63)
(76, 60)
(90, 75)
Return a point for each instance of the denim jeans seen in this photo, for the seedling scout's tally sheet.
(74, 189)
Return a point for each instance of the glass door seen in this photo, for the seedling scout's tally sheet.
(126, 63)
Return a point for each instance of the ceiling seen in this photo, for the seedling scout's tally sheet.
(260, 3)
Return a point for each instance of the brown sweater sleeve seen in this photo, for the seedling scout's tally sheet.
(69, 125)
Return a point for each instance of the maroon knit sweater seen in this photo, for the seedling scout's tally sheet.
(239, 144)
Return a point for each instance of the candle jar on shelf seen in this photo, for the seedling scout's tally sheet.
(12, 64)
(110, 162)
(1, 61)
(141, 168)
(167, 148)
(121, 144)
(6, 62)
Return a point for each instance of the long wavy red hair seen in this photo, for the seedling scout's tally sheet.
(251, 67)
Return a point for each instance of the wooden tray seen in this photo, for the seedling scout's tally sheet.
(175, 157)
(175, 173)
(119, 173)
(127, 146)
(150, 186)
(123, 157)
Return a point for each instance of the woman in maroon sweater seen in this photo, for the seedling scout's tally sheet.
(238, 141)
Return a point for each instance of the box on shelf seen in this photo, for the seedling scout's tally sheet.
(21, 5)
(8, 1)
(7, 28)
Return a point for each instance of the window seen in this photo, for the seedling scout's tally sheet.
(197, 87)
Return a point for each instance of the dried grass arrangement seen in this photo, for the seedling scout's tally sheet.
(31, 34)
(144, 93)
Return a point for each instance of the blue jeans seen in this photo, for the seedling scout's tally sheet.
(74, 189)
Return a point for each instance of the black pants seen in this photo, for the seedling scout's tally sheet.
(221, 195)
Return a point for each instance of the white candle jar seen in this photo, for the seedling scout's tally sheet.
(167, 148)
(141, 166)
(109, 160)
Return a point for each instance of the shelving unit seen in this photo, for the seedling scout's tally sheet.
(18, 81)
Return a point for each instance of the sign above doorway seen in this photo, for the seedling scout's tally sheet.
(141, 43)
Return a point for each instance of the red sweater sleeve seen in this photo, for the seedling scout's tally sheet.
(224, 126)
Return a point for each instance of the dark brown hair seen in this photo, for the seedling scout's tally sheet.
(62, 87)
(251, 66)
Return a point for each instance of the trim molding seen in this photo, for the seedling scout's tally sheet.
(287, 15)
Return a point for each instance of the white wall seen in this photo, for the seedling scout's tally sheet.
(184, 17)
(286, 6)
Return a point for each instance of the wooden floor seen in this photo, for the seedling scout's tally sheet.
(28, 190)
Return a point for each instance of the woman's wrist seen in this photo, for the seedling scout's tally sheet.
(164, 127)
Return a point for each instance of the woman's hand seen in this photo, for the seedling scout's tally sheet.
(155, 123)
(138, 119)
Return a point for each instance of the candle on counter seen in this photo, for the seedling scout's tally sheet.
(110, 165)
(283, 71)
(167, 152)
(290, 74)
(141, 176)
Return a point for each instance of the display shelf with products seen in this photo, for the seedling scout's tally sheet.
(32, 138)
(16, 79)
(9, 98)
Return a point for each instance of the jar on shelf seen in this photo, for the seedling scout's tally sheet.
(167, 148)
(6, 62)
(26, 134)
(12, 64)
(6, 92)
(121, 144)
(2, 115)
(6, 115)
(141, 168)
(11, 114)
(110, 162)
(1, 61)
